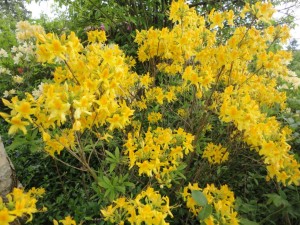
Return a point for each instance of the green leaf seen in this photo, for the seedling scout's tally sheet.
(277, 200)
(107, 192)
(117, 154)
(17, 143)
(129, 184)
(199, 197)
(110, 154)
(88, 218)
(205, 212)
(112, 167)
(181, 175)
(290, 120)
(247, 222)
(121, 189)
(112, 196)
(103, 184)
(106, 180)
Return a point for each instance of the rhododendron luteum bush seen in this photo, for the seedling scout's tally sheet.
(231, 79)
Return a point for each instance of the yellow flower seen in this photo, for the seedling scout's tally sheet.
(5, 217)
(178, 10)
(216, 18)
(215, 153)
(230, 17)
(58, 109)
(68, 221)
(24, 109)
(154, 117)
(146, 80)
(57, 48)
(115, 122)
(43, 54)
(108, 213)
(96, 35)
(17, 124)
(209, 221)
(145, 167)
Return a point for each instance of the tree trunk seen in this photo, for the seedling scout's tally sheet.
(8, 179)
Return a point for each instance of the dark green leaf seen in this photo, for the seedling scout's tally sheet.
(199, 197)
(247, 222)
(205, 212)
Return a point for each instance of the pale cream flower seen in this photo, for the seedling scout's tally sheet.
(5, 94)
(39, 91)
(4, 71)
(3, 53)
(12, 91)
(18, 79)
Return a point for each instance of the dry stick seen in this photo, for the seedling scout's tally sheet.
(202, 121)
(251, 24)
(71, 72)
(67, 164)
(207, 102)
(255, 72)
(90, 155)
(60, 177)
(185, 121)
(84, 162)
(192, 155)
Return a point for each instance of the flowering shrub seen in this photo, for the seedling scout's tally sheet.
(16, 66)
(203, 83)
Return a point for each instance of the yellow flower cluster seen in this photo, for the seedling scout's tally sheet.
(148, 208)
(96, 35)
(221, 199)
(218, 18)
(66, 221)
(215, 154)
(154, 117)
(262, 133)
(155, 94)
(182, 112)
(235, 77)
(19, 204)
(91, 88)
(193, 50)
(159, 153)
(262, 10)
(26, 31)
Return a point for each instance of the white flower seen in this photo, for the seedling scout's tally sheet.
(23, 25)
(284, 86)
(5, 94)
(9, 93)
(12, 91)
(18, 79)
(3, 53)
(14, 49)
(17, 57)
(38, 92)
(4, 71)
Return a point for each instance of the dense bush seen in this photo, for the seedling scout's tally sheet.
(201, 136)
